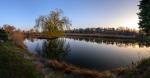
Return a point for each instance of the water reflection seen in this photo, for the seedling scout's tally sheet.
(53, 49)
(117, 42)
(93, 53)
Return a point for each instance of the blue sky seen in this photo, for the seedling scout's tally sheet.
(82, 13)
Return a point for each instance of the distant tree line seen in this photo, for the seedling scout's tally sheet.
(120, 30)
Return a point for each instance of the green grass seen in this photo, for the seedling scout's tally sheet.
(13, 65)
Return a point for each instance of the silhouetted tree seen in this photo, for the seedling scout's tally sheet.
(144, 15)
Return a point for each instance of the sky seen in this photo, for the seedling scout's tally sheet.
(82, 13)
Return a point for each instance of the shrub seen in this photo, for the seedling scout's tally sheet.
(3, 35)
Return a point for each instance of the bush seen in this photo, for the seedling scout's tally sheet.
(3, 35)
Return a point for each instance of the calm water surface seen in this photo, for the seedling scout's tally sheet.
(93, 53)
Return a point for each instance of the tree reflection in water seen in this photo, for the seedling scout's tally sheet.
(117, 42)
(53, 49)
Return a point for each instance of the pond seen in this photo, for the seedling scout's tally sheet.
(93, 53)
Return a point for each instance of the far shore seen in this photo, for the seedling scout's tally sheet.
(103, 35)
(100, 35)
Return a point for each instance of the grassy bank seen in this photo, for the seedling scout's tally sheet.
(13, 64)
(140, 70)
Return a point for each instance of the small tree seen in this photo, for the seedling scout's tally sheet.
(144, 15)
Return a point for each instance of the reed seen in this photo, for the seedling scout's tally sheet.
(67, 68)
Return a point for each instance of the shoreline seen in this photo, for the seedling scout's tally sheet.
(104, 36)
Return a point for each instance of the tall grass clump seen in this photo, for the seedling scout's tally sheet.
(18, 37)
(67, 68)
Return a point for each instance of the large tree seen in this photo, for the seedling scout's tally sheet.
(144, 15)
(53, 23)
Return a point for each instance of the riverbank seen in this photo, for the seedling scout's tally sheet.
(13, 63)
(103, 35)
(139, 70)
(16, 62)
